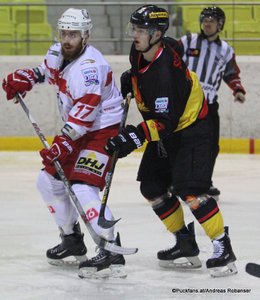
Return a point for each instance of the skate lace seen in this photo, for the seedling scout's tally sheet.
(170, 249)
(101, 254)
(57, 249)
(218, 249)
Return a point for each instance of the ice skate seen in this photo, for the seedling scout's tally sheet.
(214, 192)
(222, 261)
(184, 254)
(104, 264)
(71, 251)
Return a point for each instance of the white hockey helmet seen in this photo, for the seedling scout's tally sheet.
(75, 19)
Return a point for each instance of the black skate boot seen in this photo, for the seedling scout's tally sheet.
(214, 192)
(105, 264)
(71, 245)
(184, 254)
(222, 261)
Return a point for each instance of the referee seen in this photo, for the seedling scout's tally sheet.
(213, 60)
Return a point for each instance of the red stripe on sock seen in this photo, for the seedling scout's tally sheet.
(213, 212)
(170, 211)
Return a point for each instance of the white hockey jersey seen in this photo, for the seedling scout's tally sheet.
(88, 97)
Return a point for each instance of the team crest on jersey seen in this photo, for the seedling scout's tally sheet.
(90, 162)
(90, 76)
(161, 105)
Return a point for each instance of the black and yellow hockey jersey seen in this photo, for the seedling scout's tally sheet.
(167, 94)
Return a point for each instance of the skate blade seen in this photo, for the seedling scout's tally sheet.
(181, 263)
(68, 261)
(114, 271)
(228, 270)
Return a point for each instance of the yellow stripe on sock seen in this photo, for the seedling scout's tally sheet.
(214, 226)
(175, 221)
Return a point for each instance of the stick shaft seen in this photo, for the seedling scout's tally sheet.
(110, 173)
(101, 242)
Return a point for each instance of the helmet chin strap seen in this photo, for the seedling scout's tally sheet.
(84, 44)
(152, 44)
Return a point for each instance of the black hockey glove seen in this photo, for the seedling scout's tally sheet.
(126, 83)
(125, 142)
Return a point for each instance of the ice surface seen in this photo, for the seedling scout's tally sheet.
(27, 230)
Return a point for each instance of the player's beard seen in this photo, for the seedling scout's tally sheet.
(71, 52)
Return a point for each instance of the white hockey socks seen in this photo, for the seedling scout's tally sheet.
(57, 200)
(88, 196)
(65, 214)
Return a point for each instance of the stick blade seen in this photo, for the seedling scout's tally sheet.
(104, 223)
(119, 249)
(253, 269)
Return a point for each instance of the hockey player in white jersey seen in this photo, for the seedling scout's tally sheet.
(91, 107)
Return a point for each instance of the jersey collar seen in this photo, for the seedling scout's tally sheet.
(157, 55)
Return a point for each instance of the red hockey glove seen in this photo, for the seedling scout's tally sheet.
(61, 147)
(125, 142)
(21, 81)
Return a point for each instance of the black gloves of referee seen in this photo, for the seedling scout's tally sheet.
(125, 142)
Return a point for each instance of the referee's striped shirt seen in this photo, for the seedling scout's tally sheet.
(211, 61)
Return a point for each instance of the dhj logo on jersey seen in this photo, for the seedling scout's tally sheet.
(161, 105)
(91, 162)
(91, 214)
(90, 76)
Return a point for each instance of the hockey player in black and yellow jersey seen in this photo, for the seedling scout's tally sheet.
(178, 154)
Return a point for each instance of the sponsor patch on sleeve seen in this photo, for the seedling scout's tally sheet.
(90, 76)
(161, 105)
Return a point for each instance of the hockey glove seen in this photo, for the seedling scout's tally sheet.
(61, 147)
(125, 142)
(126, 83)
(21, 81)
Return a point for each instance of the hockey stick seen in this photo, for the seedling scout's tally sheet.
(253, 269)
(101, 242)
(102, 221)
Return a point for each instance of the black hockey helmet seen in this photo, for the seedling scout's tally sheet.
(214, 12)
(152, 17)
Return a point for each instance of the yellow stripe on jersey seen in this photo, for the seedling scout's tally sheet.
(153, 131)
(214, 226)
(194, 104)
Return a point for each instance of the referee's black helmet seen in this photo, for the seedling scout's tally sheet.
(216, 13)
